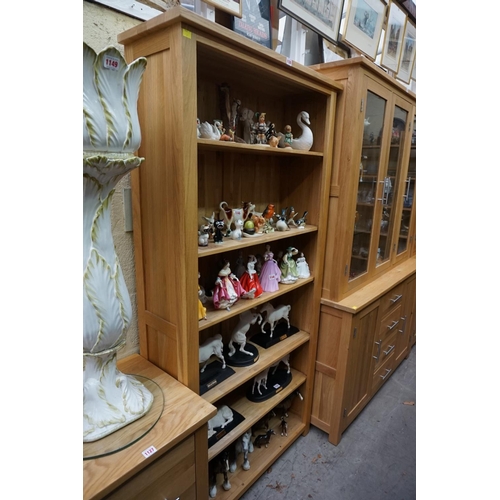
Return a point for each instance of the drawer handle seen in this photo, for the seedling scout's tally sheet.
(396, 298)
(379, 343)
(404, 325)
(393, 325)
(391, 347)
(383, 377)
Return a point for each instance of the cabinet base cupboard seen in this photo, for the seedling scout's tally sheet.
(362, 340)
(197, 69)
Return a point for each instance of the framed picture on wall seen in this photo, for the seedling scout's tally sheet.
(321, 16)
(363, 26)
(231, 6)
(393, 39)
(255, 21)
(408, 54)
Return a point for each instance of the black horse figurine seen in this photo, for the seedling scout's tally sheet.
(218, 465)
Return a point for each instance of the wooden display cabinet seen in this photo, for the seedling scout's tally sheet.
(367, 320)
(184, 179)
(372, 192)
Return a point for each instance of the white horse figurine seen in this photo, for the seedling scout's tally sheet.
(213, 346)
(242, 445)
(285, 360)
(274, 315)
(239, 335)
(260, 380)
(224, 416)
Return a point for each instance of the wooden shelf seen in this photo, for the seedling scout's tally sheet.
(253, 412)
(229, 245)
(260, 459)
(211, 145)
(266, 358)
(215, 316)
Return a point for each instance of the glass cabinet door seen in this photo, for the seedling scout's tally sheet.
(404, 238)
(392, 185)
(369, 167)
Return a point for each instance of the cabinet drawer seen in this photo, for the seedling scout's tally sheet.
(392, 298)
(383, 372)
(170, 476)
(390, 323)
(383, 348)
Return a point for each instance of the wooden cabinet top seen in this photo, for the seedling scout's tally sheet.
(183, 413)
(217, 33)
(375, 289)
(362, 62)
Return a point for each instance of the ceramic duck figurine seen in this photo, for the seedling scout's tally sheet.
(305, 141)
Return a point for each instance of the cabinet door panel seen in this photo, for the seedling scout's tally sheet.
(358, 375)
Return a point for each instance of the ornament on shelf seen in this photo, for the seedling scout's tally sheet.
(228, 289)
(213, 346)
(273, 316)
(242, 445)
(239, 335)
(202, 298)
(288, 266)
(250, 279)
(303, 267)
(216, 466)
(270, 274)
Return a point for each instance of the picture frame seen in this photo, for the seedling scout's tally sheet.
(323, 17)
(255, 22)
(363, 26)
(231, 6)
(393, 38)
(408, 53)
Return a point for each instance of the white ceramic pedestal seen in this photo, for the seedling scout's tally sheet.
(111, 134)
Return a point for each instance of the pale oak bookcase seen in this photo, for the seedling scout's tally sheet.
(184, 178)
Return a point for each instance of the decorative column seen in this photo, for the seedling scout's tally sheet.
(111, 135)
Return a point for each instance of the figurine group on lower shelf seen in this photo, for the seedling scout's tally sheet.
(262, 273)
(245, 222)
(226, 462)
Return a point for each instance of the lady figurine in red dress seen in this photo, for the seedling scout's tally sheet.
(228, 289)
(250, 279)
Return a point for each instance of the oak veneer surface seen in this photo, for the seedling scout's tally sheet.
(184, 412)
(374, 290)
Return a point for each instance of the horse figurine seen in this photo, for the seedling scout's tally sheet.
(263, 439)
(285, 360)
(239, 336)
(219, 465)
(274, 316)
(224, 417)
(242, 445)
(213, 346)
(260, 379)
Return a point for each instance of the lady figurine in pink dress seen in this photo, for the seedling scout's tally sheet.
(270, 274)
(228, 289)
(250, 278)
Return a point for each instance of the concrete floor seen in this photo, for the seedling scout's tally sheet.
(376, 458)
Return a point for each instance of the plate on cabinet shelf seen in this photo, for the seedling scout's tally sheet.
(240, 358)
(220, 433)
(275, 383)
(213, 375)
(281, 332)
